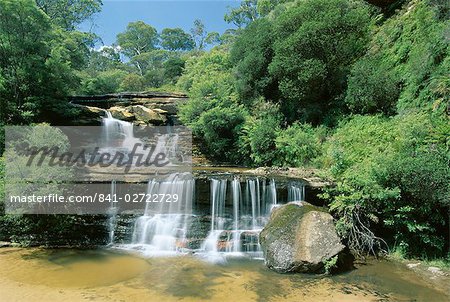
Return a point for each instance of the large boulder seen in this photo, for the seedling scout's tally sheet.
(146, 115)
(121, 113)
(299, 237)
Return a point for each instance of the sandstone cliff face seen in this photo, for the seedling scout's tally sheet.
(155, 108)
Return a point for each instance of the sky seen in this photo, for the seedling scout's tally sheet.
(116, 14)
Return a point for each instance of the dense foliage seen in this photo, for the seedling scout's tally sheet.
(358, 91)
(37, 63)
(143, 58)
(40, 56)
(390, 177)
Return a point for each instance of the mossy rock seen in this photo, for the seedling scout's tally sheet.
(299, 237)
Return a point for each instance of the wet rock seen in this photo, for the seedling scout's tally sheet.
(121, 113)
(146, 115)
(88, 116)
(300, 238)
(123, 232)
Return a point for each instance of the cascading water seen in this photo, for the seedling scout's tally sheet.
(218, 198)
(112, 212)
(117, 135)
(167, 143)
(163, 229)
(296, 192)
(235, 229)
(237, 197)
(272, 195)
(239, 208)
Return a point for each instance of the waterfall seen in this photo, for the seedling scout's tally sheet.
(296, 192)
(218, 198)
(237, 196)
(164, 228)
(239, 208)
(167, 144)
(112, 212)
(237, 229)
(117, 134)
(272, 195)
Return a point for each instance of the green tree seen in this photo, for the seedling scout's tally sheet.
(176, 39)
(251, 10)
(219, 128)
(212, 110)
(252, 53)
(199, 34)
(103, 59)
(411, 49)
(259, 133)
(212, 38)
(138, 39)
(173, 68)
(372, 88)
(265, 7)
(37, 63)
(243, 15)
(102, 82)
(132, 82)
(317, 41)
(69, 13)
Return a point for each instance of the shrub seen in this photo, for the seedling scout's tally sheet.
(316, 42)
(419, 217)
(132, 82)
(212, 110)
(372, 88)
(392, 179)
(252, 53)
(298, 145)
(104, 82)
(173, 68)
(219, 128)
(260, 132)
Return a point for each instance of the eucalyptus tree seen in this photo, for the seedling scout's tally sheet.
(37, 62)
(137, 41)
(69, 13)
(175, 39)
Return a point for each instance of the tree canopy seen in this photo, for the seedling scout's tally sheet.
(176, 39)
(69, 13)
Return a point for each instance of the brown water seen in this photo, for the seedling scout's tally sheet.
(105, 275)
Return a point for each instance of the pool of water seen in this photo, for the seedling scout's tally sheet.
(109, 275)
